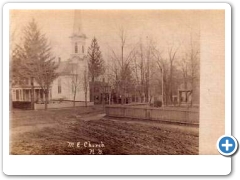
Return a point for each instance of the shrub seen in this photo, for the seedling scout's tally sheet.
(21, 104)
(157, 103)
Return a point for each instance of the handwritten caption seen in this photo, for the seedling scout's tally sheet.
(93, 148)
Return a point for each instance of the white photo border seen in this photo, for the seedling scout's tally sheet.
(115, 164)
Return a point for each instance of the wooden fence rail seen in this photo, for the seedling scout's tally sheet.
(181, 115)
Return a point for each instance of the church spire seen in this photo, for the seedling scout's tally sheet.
(78, 38)
(77, 24)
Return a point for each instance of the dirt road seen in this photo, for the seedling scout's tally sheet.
(87, 131)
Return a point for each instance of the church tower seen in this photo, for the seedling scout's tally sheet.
(70, 84)
(78, 38)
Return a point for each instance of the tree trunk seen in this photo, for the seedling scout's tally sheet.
(74, 98)
(185, 83)
(192, 82)
(166, 93)
(170, 92)
(93, 90)
(150, 99)
(124, 95)
(146, 93)
(147, 82)
(121, 93)
(86, 98)
(109, 98)
(46, 98)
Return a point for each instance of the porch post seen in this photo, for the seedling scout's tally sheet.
(21, 94)
(29, 94)
(39, 95)
(23, 98)
(32, 93)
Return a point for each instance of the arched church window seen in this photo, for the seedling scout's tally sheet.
(76, 48)
(82, 49)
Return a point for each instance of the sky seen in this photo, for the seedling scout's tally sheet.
(162, 26)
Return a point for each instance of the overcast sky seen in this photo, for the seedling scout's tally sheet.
(162, 26)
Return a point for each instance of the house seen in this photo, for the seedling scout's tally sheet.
(188, 94)
(21, 91)
(100, 92)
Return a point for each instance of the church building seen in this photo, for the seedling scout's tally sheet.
(71, 83)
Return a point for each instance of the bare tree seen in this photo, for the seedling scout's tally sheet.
(110, 77)
(149, 70)
(144, 69)
(161, 65)
(122, 66)
(74, 81)
(193, 64)
(85, 85)
(137, 78)
(46, 76)
(189, 66)
(184, 69)
(141, 66)
(172, 51)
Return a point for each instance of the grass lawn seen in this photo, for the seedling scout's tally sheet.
(86, 131)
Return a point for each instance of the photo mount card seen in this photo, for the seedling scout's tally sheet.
(160, 93)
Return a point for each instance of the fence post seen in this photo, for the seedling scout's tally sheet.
(150, 114)
(124, 113)
(147, 114)
(187, 117)
(106, 111)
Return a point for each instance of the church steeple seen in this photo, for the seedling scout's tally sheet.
(78, 38)
(77, 24)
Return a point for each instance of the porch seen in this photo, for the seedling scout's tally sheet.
(24, 94)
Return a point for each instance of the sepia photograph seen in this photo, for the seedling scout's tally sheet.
(113, 82)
